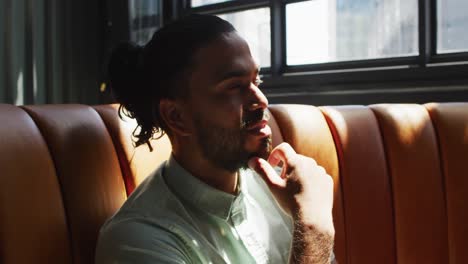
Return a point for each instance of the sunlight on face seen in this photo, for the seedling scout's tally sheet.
(226, 106)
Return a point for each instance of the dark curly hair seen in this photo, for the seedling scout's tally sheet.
(140, 76)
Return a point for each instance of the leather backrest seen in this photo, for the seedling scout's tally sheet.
(87, 168)
(136, 163)
(417, 183)
(33, 225)
(399, 171)
(450, 122)
(365, 184)
(401, 175)
(305, 128)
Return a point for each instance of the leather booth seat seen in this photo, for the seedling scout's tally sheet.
(400, 172)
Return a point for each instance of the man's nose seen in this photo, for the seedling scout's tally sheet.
(256, 98)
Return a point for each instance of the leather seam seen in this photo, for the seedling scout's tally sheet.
(32, 115)
(442, 172)
(127, 178)
(390, 176)
(339, 153)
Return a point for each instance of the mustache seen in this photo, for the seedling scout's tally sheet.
(253, 117)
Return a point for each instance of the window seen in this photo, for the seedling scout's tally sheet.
(452, 26)
(320, 31)
(310, 43)
(145, 19)
(254, 26)
(196, 3)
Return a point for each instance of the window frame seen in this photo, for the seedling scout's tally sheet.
(439, 69)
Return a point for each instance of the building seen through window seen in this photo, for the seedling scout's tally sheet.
(254, 26)
(323, 31)
(452, 26)
(145, 19)
(338, 30)
(196, 3)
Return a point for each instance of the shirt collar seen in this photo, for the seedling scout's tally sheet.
(199, 194)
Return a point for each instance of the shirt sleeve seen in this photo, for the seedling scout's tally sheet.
(140, 242)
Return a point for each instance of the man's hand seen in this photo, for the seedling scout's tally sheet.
(305, 191)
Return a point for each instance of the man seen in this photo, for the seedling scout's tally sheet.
(197, 82)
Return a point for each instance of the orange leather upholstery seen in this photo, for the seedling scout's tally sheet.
(418, 190)
(33, 224)
(451, 127)
(136, 163)
(87, 169)
(305, 128)
(401, 186)
(365, 184)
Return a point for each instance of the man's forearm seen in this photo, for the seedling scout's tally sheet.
(310, 246)
(305, 191)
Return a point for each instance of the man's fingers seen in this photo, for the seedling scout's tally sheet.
(266, 171)
(283, 152)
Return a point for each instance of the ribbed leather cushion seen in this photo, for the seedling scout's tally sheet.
(451, 124)
(87, 167)
(417, 183)
(305, 128)
(137, 163)
(400, 172)
(33, 226)
(365, 183)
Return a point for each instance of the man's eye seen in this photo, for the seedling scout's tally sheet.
(238, 86)
(258, 81)
(241, 86)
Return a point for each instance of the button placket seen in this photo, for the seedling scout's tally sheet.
(242, 228)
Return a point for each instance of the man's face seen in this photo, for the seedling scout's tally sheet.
(227, 108)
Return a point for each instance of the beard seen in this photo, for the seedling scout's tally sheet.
(227, 148)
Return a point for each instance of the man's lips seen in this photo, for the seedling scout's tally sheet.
(257, 125)
(260, 128)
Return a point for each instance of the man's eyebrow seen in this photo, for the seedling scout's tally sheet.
(237, 73)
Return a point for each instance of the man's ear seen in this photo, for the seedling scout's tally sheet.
(174, 116)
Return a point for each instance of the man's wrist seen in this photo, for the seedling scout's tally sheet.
(311, 244)
(317, 221)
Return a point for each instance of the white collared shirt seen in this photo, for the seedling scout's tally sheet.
(173, 217)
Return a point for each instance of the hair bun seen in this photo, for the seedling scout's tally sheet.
(125, 72)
